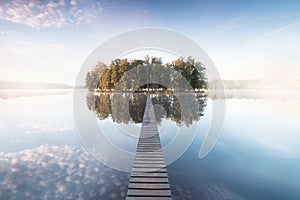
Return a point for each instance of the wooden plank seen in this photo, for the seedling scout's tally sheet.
(149, 174)
(150, 153)
(149, 179)
(150, 149)
(155, 169)
(149, 193)
(151, 165)
(149, 198)
(149, 162)
(149, 158)
(152, 146)
(141, 156)
(149, 185)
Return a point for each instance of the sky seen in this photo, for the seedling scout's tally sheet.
(49, 41)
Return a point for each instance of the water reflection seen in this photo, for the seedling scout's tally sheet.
(129, 107)
(255, 94)
(257, 156)
(58, 172)
(10, 94)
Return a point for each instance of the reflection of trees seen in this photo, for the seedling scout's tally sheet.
(170, 105)
(125, 107)
(101, 105)
(190, 109)
(137, 107)
(118, 108)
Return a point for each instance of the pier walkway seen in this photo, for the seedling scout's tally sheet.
(149, 178)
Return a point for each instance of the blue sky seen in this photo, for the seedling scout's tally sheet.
(49, 40)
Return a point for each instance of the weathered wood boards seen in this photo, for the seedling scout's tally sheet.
(149, 179)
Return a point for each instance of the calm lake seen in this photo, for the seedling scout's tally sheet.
(256, 157)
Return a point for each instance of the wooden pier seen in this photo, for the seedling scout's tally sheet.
(149, 178)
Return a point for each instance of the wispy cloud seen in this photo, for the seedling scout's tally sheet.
(25, 47)
(45, 14)
(31, 127)
(282, 28)
(230, 24)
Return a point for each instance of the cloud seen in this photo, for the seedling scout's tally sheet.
(231, 24)
(31, 127)
(220, 192)
(282, 28)
(203, 191)
(73, 2)
(16, 141)
(4, 32)
(53, 172)
(26, 47)
(45, 14)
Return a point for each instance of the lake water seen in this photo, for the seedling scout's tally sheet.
(257, 155)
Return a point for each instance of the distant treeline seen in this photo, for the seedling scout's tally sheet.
(105, 77)
(232, 84)
(13, 85)
(253, 84)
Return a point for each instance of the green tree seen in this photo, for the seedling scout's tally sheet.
(106, 78)
(93, 77)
